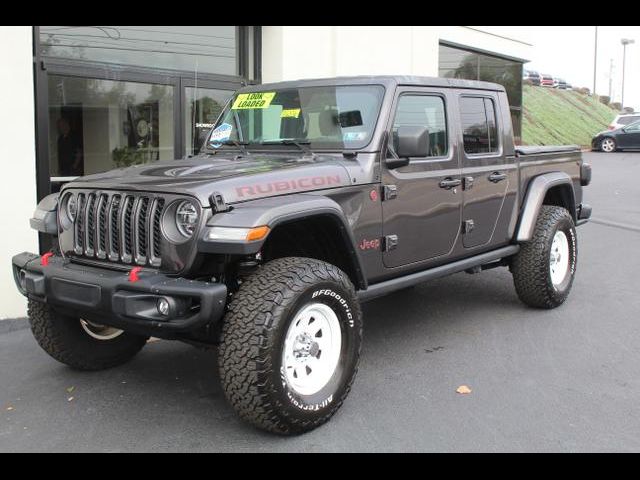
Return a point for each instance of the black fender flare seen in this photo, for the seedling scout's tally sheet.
(538, 188)
(276, 211)
(45, 217)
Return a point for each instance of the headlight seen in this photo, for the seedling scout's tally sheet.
(71, 206)
(186, 218)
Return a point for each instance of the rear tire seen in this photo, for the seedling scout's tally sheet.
(80, 344)
(290, 345)
(544, 268)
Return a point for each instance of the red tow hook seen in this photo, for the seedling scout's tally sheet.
(44, 259)
(133, 274)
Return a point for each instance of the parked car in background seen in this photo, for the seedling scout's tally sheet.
(623, 120)
(625, 137)
(559, 83)
(532, 76)
(569, 86)
(546, 80)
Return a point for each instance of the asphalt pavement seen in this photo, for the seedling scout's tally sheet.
(561, 380)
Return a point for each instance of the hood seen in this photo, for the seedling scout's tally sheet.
(237, 179)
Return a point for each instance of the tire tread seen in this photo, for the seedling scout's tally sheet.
(244, 357)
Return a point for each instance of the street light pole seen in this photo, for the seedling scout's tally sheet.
(595, 61)
(625, 42)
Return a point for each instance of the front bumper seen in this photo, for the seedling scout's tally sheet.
(109, 297)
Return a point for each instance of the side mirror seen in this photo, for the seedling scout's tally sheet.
(410, 141)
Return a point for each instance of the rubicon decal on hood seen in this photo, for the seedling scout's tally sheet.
(286, 185)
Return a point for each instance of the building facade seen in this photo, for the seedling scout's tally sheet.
(81, 100)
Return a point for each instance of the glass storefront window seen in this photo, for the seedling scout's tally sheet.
(206, 49)
(96, 125)
(201, 109)
(470, 65)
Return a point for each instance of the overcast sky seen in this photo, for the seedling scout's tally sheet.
(567, 52)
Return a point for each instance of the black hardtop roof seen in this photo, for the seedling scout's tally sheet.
(386, 80)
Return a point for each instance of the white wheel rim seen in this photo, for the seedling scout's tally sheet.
(100, 332)
(559, 258)
(312, 349)
(607, 145)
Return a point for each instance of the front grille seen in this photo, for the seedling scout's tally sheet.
(120, 227)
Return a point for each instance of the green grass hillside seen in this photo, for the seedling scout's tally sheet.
(560, 117)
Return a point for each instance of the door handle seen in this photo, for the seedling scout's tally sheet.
(496, 177)
(449, 183)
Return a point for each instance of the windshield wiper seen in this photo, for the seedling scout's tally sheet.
(301, 144)
(236, 143)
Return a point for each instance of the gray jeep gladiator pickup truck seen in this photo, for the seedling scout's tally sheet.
(307, 198)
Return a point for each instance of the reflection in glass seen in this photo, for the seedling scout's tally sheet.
(210, 49)
(202, 108)
(97, 125)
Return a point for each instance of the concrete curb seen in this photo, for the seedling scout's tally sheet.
(13, 324)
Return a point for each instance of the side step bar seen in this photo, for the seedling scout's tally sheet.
(388, 286)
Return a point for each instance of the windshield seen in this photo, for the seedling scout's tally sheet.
(327, 117)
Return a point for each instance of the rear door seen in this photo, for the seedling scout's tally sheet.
(485, 171)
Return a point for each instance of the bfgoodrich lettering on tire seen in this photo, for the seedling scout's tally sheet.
(544, 268)
(291, 344)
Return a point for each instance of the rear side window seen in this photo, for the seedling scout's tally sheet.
(425, 111)
(479, 125)
(628, 120)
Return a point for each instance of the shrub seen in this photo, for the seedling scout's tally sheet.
(605, 99)
(616, 105)
(628, 110)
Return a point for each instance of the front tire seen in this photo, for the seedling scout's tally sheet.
(290, 345)
(544, 268)
(81, 344)
(608, 145)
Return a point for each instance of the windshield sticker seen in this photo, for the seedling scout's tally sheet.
(290, 113)
(354, 136)
(248, 101)
(220, 135)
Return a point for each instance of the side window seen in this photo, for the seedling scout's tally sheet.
(479, 125)
(427, 111)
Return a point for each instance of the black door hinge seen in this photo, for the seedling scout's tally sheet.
(468, 226)
(389, 192)
(390, 242)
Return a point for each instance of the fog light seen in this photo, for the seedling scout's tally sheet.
(163, 307)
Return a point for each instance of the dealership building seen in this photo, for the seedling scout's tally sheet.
(85, 99)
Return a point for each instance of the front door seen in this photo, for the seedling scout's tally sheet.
(485, 171)
(422, 204)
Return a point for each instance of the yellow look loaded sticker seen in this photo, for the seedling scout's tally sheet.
(290, 113)
(247, 101)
